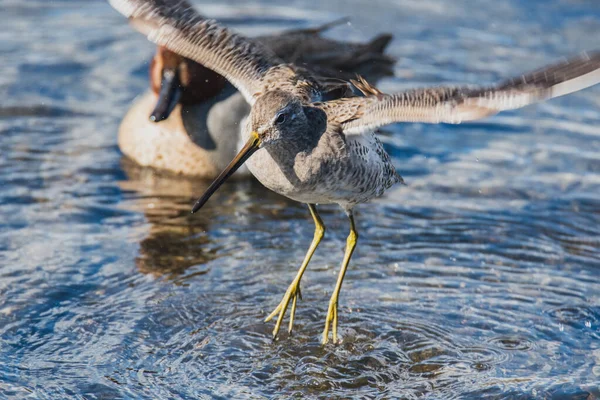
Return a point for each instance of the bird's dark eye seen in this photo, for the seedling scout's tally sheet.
(280, 119)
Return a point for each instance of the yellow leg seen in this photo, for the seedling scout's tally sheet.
(332, 312)
(293, 290)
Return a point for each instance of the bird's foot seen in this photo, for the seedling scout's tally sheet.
(292, 295)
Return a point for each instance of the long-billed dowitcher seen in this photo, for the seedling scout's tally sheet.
(189, 123)
(315, 151)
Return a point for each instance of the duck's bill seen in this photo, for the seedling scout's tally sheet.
(249, 148)
(169, 95)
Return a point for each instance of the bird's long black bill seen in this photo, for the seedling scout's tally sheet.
(170, 93)
(249, 148)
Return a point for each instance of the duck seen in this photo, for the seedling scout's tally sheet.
(188, 122)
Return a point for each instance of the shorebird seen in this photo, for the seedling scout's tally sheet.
(319, 152)
(190, 121)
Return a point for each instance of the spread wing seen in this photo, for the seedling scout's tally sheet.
(457, 104)
(178, 27)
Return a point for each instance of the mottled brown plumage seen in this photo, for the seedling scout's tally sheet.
(317, 151)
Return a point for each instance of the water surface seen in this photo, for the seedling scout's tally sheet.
(480, 279)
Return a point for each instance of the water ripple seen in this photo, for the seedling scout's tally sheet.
(479, 279)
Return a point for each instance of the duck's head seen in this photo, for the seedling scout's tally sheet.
(176, 79)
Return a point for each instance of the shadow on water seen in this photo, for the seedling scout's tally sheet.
(477, 280)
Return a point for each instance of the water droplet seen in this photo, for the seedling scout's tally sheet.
(561, 327)
(481, 366)
(588, 324)
(534, 392)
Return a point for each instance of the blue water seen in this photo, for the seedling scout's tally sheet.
(480, 279)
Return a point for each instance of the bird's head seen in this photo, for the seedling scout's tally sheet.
(276, 117)
(176, 79)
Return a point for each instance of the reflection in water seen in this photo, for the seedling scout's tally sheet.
(175, 241)
(477, 280)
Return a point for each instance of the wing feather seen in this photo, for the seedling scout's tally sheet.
(457, 104)
(177, 26)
